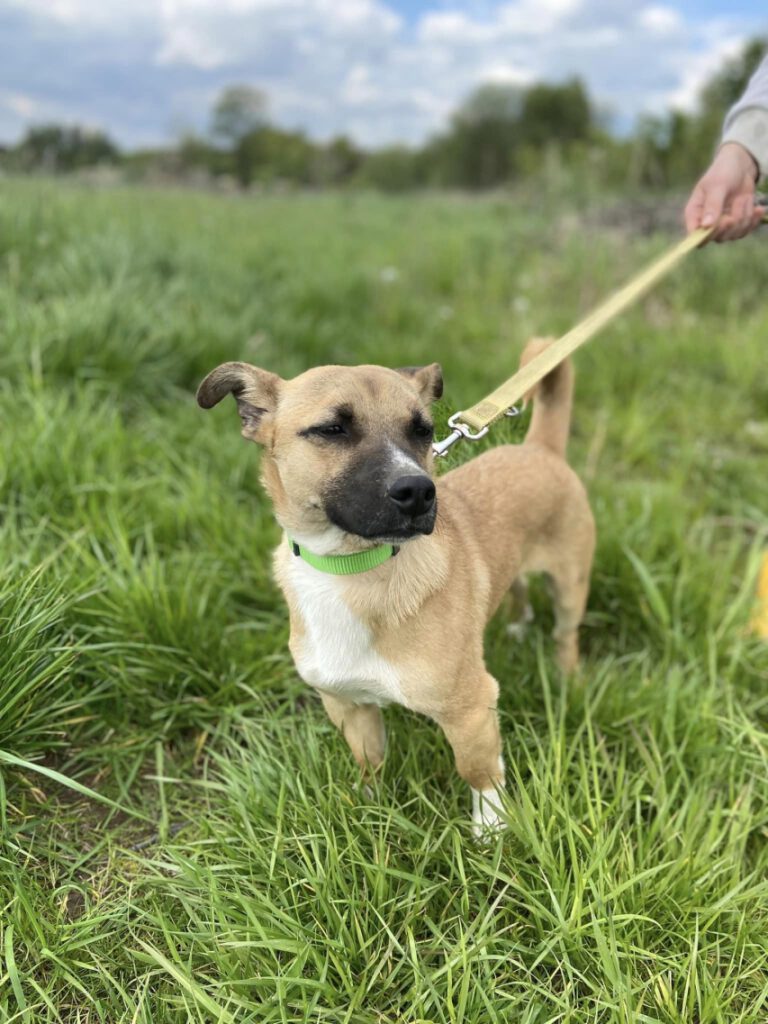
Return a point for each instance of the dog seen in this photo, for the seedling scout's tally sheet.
(391, 574)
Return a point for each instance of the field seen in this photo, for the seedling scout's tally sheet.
(183, 834)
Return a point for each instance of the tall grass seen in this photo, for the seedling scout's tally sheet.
(182, 834)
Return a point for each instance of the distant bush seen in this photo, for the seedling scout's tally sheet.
(59, 148)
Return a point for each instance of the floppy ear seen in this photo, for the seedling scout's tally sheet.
(428, 380)
(255, 391)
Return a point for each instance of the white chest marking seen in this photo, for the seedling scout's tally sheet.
(337, 653)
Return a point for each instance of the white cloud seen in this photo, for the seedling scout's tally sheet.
(355, 66)
(213, 33)
(503, 74)
(100, 14)
(660, 20)
(529, 17)
(451, 27)
(20, 104)
(510, 21)
(358, 89)
(697, 69)
(184, 45)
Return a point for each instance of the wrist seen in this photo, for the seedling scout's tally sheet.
(739, 152)
(748, 131)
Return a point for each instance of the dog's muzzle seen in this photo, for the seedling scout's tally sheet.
(370, 503)
(414, 496)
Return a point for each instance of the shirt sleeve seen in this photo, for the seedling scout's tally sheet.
(747, 121)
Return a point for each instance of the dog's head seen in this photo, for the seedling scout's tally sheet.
(347, 448)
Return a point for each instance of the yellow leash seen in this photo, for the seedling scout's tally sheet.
(473, 423)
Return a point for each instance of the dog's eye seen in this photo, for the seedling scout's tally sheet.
(422, 430)
(329, 430)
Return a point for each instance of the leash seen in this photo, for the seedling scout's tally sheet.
(474, 423)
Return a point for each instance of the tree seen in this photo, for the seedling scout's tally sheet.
(338, 161)
(198, 155)
(55, 147)
(492, 102)
(239, 111)
(499, 128)
(391, 169)
(238, 116)
(271, 154)
(479, 150)
(555, 113)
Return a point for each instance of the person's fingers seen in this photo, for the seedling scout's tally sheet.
(746, 213)
(735, 224)
(714, 201)
(742, 218)
(722, 232)
(727, 234)
(727, 226)
(749, 223)
(730, 231)
(736, 221)
(694, 208)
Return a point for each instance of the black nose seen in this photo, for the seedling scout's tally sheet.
(413, 495)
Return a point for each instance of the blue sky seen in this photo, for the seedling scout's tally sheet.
(378, 70)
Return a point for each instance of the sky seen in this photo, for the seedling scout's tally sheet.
(380, 71)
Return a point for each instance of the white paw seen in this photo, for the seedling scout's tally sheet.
(517, 630)
(487, 812)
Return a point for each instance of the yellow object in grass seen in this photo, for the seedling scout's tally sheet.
(759, 623)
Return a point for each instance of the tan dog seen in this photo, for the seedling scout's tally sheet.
(347, 463)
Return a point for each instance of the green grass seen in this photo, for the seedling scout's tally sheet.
(183, 835)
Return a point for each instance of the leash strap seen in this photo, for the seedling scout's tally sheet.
(511, 391)
(474, 422)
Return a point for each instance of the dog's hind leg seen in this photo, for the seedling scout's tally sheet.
(362, 726)
(568, 565)
(521, 612)
(473, 733)
(570, 591)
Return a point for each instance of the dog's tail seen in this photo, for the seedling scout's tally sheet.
(552, 399)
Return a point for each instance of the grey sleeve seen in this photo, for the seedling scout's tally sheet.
(747, 121)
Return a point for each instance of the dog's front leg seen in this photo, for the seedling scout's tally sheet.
(362, 726)
(473, 732)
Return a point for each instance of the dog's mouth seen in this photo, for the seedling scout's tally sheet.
(398, 536)
(382, 526)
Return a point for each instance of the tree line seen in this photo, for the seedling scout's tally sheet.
(498, 135)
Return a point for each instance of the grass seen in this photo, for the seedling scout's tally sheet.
(183, 837)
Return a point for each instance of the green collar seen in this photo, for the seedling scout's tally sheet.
(346, 565)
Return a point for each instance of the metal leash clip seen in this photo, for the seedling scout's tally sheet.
(459, 430)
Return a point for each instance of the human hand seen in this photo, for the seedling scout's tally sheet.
(725, 195)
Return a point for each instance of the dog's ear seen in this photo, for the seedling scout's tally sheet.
(255, 391)
(428, 380)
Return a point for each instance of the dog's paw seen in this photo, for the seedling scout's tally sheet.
(517, 630)
(487, 813)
